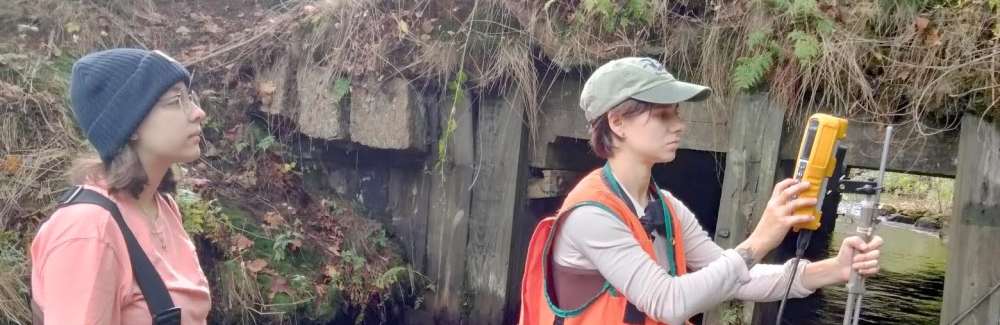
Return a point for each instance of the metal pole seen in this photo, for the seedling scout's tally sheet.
(869, 211)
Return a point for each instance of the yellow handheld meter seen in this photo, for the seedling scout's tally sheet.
(817, 160)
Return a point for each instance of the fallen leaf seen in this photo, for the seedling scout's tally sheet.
(427, 27)
(213, 28)
(921, 23)
(257, 265)
(309, 9)
(200, 17)
(266, 89)
(273, 219)
(278, 286)
(841, 14)
(403, 27)
(198, 183)
(933, 38)
(72, 28)
(247, 179)
(242, 243)
(210, 150)
(425, 37)
(296, 243)
(183, 30)
(331, 271)
(418, 14)
(11, 164)
(334, 250)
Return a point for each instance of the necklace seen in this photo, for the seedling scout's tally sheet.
(152, 220)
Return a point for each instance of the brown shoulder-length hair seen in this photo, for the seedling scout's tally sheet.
(601, 136)
(124, 174)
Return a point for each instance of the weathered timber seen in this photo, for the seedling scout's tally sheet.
(973, 258)
(553, 183)
(909, 152)
(562, 117)
(754, 140)
(448, 221)
(409, 202)
(497, 200)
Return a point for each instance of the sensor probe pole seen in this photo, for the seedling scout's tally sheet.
(869, 211)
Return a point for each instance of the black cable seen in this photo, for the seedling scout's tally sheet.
(800, 248)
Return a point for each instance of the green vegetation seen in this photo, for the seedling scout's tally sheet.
(914, 194)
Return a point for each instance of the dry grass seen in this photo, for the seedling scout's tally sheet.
(37, 138)
(239, 294)
(13, 269)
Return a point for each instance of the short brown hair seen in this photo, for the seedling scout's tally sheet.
(123, 174)
(601, 137)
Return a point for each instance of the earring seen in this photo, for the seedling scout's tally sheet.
(134, 137)
(622, 135)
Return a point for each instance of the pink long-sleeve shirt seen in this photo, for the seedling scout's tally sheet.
(81, 272)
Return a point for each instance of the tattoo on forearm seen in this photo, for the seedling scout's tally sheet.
(747, 254)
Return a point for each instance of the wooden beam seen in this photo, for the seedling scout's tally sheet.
(553, 183)
(751, 160)
(910, 152)
(409, 204)
(497, 199)
(973, 258)
(448, 219)
(562, 117)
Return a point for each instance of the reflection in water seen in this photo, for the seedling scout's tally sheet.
(908, 289)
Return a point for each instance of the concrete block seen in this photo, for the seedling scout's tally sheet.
(320, 114)
(388, 115)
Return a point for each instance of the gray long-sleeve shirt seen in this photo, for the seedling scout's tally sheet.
(593, 239)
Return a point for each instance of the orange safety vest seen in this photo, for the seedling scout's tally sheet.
(599, 189)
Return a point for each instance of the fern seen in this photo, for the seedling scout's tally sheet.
(749, 70)
(803, 8)
(639, 9)
(759, 37)
(340, 88)
(824, 25)
(389, 277)
(806, 47)
(782, 5)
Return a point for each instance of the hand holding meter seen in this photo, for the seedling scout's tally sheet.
(817, 161)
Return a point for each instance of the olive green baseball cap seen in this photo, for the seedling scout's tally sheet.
(638, 78)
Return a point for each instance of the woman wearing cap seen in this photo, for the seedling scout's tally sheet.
(135, 107)
(623, 251)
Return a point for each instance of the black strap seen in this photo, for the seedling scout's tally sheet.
(649, 221)
(558, 321)
(150, 284)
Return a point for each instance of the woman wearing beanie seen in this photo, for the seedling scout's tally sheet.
(135, 107)
(623, 251)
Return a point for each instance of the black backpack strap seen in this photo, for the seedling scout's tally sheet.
(150, 284)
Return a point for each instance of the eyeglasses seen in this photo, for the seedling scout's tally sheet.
(186, 103)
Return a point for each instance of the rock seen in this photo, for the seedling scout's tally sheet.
(321, 115)
(887, 210)
(901, 219)
(927, 223)
(917, 214)
(388, 116)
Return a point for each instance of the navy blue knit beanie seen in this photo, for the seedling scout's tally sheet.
(112, 91)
